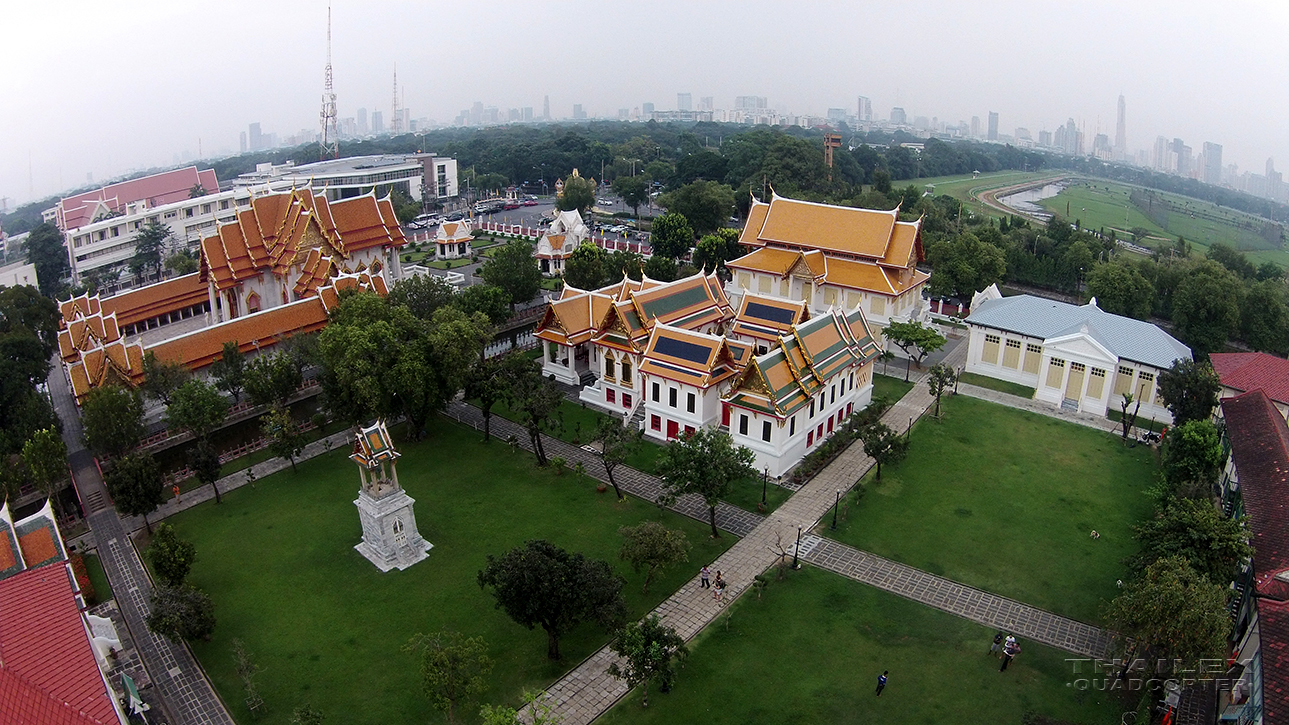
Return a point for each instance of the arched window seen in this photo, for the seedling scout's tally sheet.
(252, 303)
(626, 370)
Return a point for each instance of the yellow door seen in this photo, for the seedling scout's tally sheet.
(1074, 385)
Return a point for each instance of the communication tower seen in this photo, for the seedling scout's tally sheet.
(329, 141)
(397, 125)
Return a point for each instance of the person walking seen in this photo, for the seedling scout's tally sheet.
(881, 682)
(998, 643)
(1010, 650)
(718, 590)
(704, 575)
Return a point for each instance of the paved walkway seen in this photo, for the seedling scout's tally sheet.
(1041, 408)
(173, 670)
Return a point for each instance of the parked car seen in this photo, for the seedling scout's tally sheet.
(455, 216)
(528, 202)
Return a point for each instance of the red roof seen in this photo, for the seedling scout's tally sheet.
(48, 674)
(1273, 625)
(1245, 371)
(164, 188)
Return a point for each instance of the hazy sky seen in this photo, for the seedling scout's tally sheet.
(104, 87)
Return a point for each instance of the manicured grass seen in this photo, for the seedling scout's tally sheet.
(811, 649)
(1006, 501)
(552, 283)
(891, 388)
(94, 568)
(326, 626)
(1002, 386)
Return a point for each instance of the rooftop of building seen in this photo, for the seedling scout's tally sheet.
(1246, 371)
(331, 167)
(157, 189)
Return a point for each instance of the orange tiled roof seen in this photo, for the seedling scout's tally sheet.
(157, 299)
(808, 225)
(198, 349)
(572, 320)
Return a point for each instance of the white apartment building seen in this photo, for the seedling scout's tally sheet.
(423, 177)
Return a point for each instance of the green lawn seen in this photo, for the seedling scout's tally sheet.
(1006, 501)
(326, 626)
(891, 388)
(810, 652)
(94, 568)
(1002, 386)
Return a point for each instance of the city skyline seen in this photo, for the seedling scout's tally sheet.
(198, 108)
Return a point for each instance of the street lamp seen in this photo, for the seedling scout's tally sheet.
(765, 477)
(796, 550)
(835, 505)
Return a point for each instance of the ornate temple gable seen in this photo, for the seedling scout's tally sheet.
(801, 270)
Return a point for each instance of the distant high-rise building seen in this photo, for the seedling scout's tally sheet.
(245, 148)
(1212, 163)
(1182, 153)
(1159, 159)
(526, 114)
(377, 123)
(578, 113)
(706, 103)
(684, 102)
(1044, 138)
(865, 110)
(1121, 133)
(646, 111)
(975, 127)
(836, 114)
(993, 126)
(363, 129)
(255, 138)
(546, 108)
(751, 103)
(898, 116)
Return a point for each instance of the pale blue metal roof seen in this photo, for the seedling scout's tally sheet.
(1129, 339)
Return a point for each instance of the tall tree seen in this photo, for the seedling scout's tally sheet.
(229, 371)
(660, 268)
(650, 651)
(534, 398)
(283, 434)
(671, 236)
(423, 294)
(1206, 306)
(540, 584)
(486, 383)
(616, 443)
(1264, 316)
(170, 555)
(579, 194)
(204, 461)
(705, 463)
(181, 613)
(181, 263)
(271, 379)
(633, 190)
(1189, 390)
(705, 204)
(48, 252)
(28, 339)
(964, 265)
(651, 547)
(162, 378)
(1121, 290)
(493, 302)
(939, 379)
(915, 339)
(149, 248)
(135, 485)
(514, 270)
(884, 445)
(196, 407)
(714, 250)
(1192, 459)
(585, 268)
(454, 668)
(1173, 612)
(46, 457)
(1213, 544)
(112, 420)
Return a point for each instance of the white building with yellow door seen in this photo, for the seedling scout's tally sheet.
(1078, 357)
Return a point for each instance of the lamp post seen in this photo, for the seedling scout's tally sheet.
(765, 477)
(796, 550)
(835, 504)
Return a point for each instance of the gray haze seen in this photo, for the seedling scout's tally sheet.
(102, 88)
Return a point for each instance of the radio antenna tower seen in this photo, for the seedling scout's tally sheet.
(329, 142)
(397, 119)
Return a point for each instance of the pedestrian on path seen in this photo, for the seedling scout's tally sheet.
(175, 489)
(704, 576)
(998, 643)
(718, 590)
(1010, 650)
(881, 682)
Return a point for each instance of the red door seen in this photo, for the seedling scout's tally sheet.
(673, 428)
(725, 416)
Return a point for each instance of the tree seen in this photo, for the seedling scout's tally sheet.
(162, 379)
(48, 252)
(1233, 259)
(884, 445)
(491, 301)
(307, 714)
(422, 294)
(112, 420)
(514, 269)
(134, 483)
(705, 463)
(649, 651)
(939, 378)
(1190, 390)
(633, 190)
(540, 584)
(661, 268)
(1175, 612)
(537, 706)
(1264, 316)
(578, 193)
(486, 383)
(1192, 458)
(1121, 290)
(181, 613)
(617, 442)
(1270, 271)
(704, 204)
(1206, 306)
(882, 181)
(229, 371)
(671, 236)
(585, 267)
(204, 461)
(181, 263)
(196, 407)
(1213, 544)
(965, 265)
(28, 338)
(534, 398)
(652, 547)
(149, 245)
(284, 436)
(46, 457)
(271, 379)
(170, 556)
(1126, 420)
(714, 250)
(197, 191)
(914, 336)
(454, 668)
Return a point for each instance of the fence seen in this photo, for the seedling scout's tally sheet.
(608, 244)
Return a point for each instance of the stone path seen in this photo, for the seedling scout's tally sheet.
(1037, 406)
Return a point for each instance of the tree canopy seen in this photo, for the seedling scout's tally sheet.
(272, 378)
(181, 613)
(196, 407)
(135, 485)
(1192, 458)
(651, 547)
(705, 463)
(28, 338)
(585, 267)
(650, 651)
(48, 252)
(229, 371)
(112, 420)
(964, 265)
(454, 668)
(45, 455)
(514, 269)
(162, 377)
(1206, 307)
(578, 193)
(1190, 390)
(170, 555)
(671, 236)
(1172, 610)
(1121, 290)
(633, 190)
(1213, 544)
(705, 204)
(915, 339)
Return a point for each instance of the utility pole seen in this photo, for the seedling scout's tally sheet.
(329, 141)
